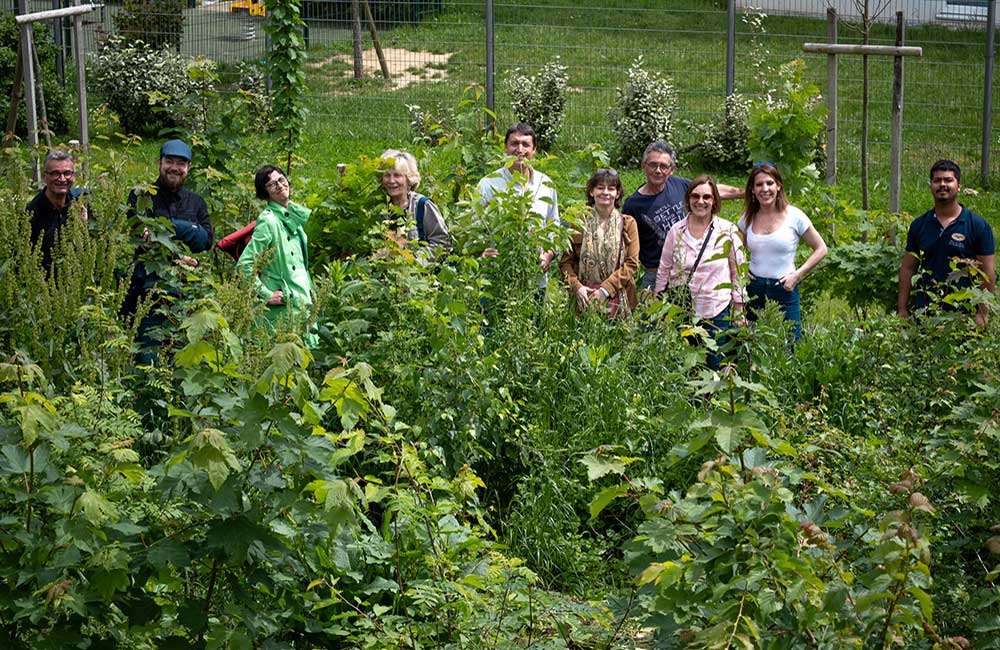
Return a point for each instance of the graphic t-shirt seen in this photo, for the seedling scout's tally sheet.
(655, 215)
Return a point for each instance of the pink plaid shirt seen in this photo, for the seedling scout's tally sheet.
(716, 283)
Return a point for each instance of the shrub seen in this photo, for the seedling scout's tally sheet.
(144, 86)
(158, 23)
(787, 124)
(57, 100)
(643, 112)
(540, 100)
(724, 145)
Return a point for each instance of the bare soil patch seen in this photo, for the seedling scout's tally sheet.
(406, 67)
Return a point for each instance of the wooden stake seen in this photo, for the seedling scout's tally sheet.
(896, 147)
(374, 33)
(359, 71)
(43, 121)
(15, 99)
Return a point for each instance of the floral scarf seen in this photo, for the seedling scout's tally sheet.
(601, 249)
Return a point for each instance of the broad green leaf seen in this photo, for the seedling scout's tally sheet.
(95, 507)
(598, 467)
(605, 497)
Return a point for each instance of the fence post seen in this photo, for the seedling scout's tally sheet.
(991, 19)
(81, 87)
(490, 72)
(831, 99)
(57, 34)
(730, 47)
(896, 137)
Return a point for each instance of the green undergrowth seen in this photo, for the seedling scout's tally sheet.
(460, 463)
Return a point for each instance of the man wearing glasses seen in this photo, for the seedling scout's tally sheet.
(50, 209)
(658, 204)
(187, 213)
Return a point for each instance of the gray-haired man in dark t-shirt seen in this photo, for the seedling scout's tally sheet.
(659, 204)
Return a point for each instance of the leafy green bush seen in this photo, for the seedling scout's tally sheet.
(785, 126)
(154, 23)
(540, 100)
(725, 145)
(643, 112)
(58, 104)
(145, 86)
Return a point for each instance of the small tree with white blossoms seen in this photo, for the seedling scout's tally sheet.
(540, 100)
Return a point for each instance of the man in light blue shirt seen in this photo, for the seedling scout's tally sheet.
(520, 143)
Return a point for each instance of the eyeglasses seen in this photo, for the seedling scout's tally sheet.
(766, 162)
(276, 182)
(607, 171)
(658, 166)
(60, 173)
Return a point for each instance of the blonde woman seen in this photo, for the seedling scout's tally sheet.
(413, 215)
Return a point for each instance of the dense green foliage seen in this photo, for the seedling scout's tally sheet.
(148, 88)
(459, 464)
(540, 100)
(58, 105)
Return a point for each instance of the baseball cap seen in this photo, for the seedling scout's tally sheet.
(176, 148)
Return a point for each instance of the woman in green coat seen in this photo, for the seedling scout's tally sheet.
(279, 239)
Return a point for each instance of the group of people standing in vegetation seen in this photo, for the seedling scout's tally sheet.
(670, 226)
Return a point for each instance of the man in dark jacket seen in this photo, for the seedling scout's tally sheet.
(187, 213)
(50, 209)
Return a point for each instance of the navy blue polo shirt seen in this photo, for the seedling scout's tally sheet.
(968, 236)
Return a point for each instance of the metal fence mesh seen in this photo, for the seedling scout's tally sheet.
(434, 49)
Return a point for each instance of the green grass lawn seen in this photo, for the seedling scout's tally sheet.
(943, 93)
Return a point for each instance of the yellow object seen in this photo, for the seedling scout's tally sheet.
(251, 7)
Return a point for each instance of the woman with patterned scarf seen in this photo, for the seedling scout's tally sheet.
(599, 267)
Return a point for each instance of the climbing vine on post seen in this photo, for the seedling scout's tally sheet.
(288, 80)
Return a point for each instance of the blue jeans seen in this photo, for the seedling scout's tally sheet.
(762, 289)
(718, 325)
(648, 280)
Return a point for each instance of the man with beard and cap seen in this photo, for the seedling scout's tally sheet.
(187, 213)
(50, 209)
(944, 243)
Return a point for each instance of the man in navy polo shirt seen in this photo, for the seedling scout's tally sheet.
(948, 235)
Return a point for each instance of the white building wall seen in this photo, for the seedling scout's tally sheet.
(914, 11)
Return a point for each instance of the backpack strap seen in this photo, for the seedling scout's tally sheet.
(421, 209)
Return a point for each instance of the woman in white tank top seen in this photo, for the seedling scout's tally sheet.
(773, 228)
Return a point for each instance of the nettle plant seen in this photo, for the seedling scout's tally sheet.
(540, 100)
(643, 112)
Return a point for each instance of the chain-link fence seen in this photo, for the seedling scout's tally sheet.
(432, 50)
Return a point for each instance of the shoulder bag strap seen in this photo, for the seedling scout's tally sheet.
(700, 253)
(421, 209)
